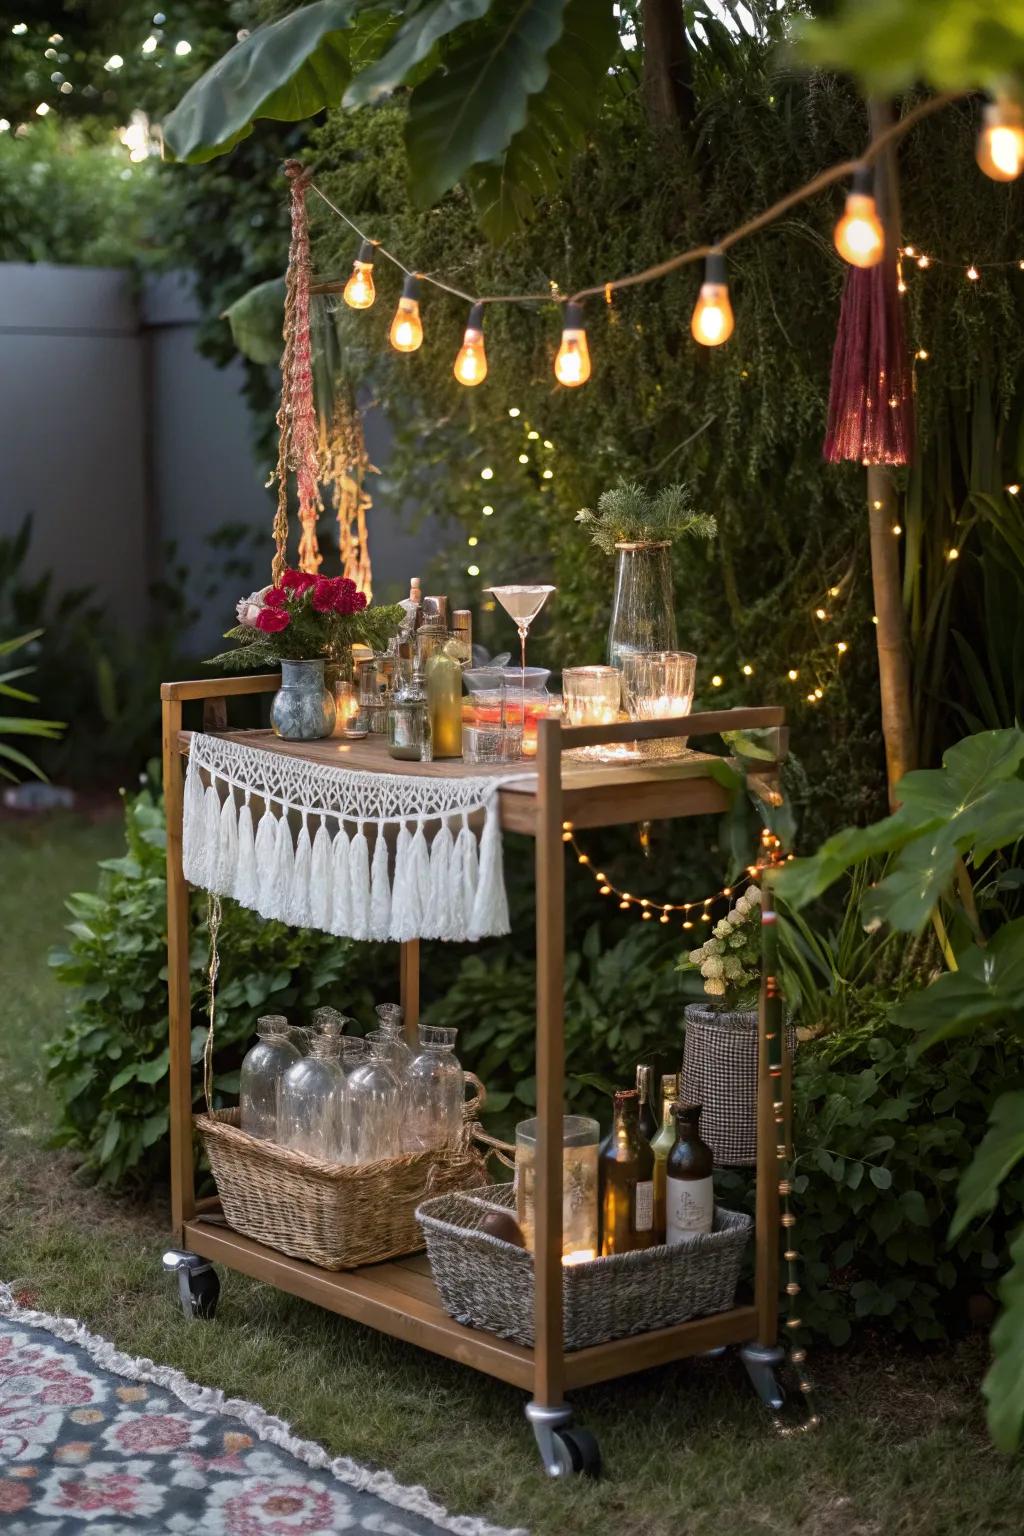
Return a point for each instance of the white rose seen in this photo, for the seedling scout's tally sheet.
(249, 608)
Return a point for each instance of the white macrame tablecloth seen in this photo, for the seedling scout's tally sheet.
(319, 856)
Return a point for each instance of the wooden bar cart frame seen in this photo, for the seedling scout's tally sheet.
(399, 1297)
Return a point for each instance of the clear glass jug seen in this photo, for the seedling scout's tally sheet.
(437, 1089)
(311, 1103)
(373, 1106)
(261, 1073)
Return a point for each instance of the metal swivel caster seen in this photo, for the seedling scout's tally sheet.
(198, 1285)
(761, 1361)
(565, 1449)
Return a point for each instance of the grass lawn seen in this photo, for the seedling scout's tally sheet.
(902, 1452)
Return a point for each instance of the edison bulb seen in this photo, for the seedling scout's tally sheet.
(471, 363)
(859, 237)
(572, 362)
(406, 327)
(712, 321)
(1000, 152)
(359, 290)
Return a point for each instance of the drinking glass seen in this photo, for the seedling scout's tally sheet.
(658, 684)
(262, 1070)
(591, 695)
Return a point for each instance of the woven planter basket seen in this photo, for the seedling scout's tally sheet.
(720, 1073)
(330, 1214)
(485, 1282)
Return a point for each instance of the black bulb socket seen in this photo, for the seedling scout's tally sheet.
(714, 269)
(367, 251)
(573, 320)
(863, 181)
(476, 318)
(411, 287)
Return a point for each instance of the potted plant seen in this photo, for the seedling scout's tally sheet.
(639, 528)
(721, 1049)
(299, 626)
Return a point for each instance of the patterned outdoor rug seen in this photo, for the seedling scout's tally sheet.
(94, 1443)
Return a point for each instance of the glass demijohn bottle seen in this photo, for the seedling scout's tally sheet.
(262, 1070)
(437, 1089)
(373, 1106)
(310, 1100)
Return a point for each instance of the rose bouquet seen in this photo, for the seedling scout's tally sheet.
(730, 960)
(304, 618)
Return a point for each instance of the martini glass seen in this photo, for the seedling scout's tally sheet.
(522, 604)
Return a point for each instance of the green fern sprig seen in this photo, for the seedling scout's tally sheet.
(629, 514)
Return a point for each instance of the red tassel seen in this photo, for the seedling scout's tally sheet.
(871, 403)
(298, 413)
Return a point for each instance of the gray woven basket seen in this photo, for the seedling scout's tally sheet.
(720, 1073)
(485, 1282)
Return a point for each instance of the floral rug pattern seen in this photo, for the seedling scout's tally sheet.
(87, 1452)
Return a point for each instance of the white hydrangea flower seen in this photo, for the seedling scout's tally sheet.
(723, 929)
(696, 956)
(714, 988)
(754, 895)
(732, 968)
(712, 967)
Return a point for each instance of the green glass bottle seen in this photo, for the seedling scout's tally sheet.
(689, 1187)
(661, 1146)
(626, 1167)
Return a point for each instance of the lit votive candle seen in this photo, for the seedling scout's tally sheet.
(658, 684)
(591, 695)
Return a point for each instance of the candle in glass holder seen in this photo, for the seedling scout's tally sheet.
(658, 684)
(591, 695)
(579, 1186)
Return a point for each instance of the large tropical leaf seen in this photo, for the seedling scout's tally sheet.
(415, 38)
(473, 109)
(1000, 1151)
(288, 70)
(505, 191)
(987, 986)
(256, 320)
(891, 44)
(1004, 1384)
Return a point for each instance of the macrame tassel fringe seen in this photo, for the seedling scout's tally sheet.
(359, 884)
(266, 837)
(244, 889)
(195, 862)
(298, 911)
(490, 909)
(437, 919)
(223, 881)
(470, 865)
(320, 881)
(405, 913)
(341, 893)
(380, 899)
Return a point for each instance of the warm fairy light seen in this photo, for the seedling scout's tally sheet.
(406, 327)
(572, 362)
(811, 699)
(471, 363)
(908, 250)
(901, 286)
(954, 554)
(1000, 151)
(833, 591)
(878, 505)
(874, 618)
(488, 511)
(897, 529)
(1013, 490)
(748, 670)
(819, 613)
(487, 473)
(514, 411)
(712, 321)
(842, 647)
(524, 458)
(472, 541)
(472, 570)
(973, 273)
(359, 290)
(549, 444)
(858, 236)
(792, 674)
(924, 262)
(716, 681)
(922, 355)
(548, 474)
(533, 436)
(818, 693)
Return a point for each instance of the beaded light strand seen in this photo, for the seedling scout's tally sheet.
(648, 908)
(769, 859)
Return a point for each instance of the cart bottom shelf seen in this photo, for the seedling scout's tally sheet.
(400, 1298)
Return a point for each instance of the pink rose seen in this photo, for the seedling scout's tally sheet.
(275, 598)
(272, 620)
(297, 582)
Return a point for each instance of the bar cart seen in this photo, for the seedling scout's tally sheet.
(399, 1297)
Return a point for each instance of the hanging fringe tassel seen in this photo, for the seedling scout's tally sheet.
(380, 900)
(244, 889)
(490, 909)
(299, 911)
(223, 881)
(193, 854)
(437, 918)
(470, 863)
(341, 895)
(266, 837)
(211, 833)
(320, 883)
(282, 870)
(419, 874)
(404, 909)
(359, 885)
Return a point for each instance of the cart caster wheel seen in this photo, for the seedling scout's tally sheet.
(582, 1449)
(761, 1361)
(198, 1285)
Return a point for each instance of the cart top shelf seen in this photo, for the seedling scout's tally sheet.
(595, 794)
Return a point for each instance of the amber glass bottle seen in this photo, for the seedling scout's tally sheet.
(627, 1181)
(689, 1188)
(661, 1146)
(645, 1094)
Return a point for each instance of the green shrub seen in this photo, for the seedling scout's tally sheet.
(109, 1067)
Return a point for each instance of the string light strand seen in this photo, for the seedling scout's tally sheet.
(648, 908)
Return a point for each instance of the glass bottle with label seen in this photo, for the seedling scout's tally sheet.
(645, 1093)
(689, 1187)
(661, 1146)
(626, 1168)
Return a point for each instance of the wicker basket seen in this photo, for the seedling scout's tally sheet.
(329, 1214)
(485, 1282)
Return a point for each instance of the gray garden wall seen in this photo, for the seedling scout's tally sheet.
(119, 437)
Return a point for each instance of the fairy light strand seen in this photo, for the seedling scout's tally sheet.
(646, 906)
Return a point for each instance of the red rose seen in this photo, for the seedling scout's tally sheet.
(272, 620)
(324, 597)
(348, 599)
(297, 582)
(274, 598)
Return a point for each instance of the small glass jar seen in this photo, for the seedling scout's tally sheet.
(438, 1089)
(373, 1106)
(311, 1103)
(580, 1137)
(262, 1070)
(409, 724)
